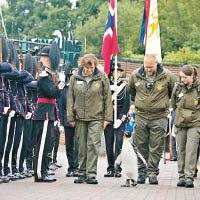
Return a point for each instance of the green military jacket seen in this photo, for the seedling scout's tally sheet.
(89, 101)
(153, 104)
(186, 104)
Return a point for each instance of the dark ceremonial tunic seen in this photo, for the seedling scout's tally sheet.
(43, 121)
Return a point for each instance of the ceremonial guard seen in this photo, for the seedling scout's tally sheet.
(14, 109)
(28, 66)
(115, 132)
(45, 113)
(32, 96)
(4, 101)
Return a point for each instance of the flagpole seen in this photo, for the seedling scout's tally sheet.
(115, 100)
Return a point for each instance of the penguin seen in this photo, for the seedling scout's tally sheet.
(128, 158)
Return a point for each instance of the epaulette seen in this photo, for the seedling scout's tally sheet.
(43, 74)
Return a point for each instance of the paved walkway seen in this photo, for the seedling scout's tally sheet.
(107, 189)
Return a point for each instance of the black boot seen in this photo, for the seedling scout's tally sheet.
(153, 180)
(92, 180)
(141, 179)
(80, 179)
(110, 173)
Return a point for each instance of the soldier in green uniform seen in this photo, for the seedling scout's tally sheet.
(151, 88)
(186, 104)
(89, 106)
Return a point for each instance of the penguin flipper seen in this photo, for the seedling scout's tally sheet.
(118, 161)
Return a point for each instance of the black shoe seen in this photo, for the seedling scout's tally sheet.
(196, 171)
(20, 176)
(174, 159)
(58, 165)
(70, 174)
(50, 172)
(141, 179)
(45, 179)
(28, 174)
(1, 181)
(109, 174)
(13, 177)
(5, 179)
(75, 173)
(92, 180)
(189, 184)
(118, 174)
(30, 171)
(80, 179)
(52, 167)
(181, 183)
(153, 180)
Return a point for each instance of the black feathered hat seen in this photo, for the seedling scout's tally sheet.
(54, 56)
(28, 63)
(45, 51)
(35, 66)
(4, 49)
(53, 53)
(68, 69)
(119, 68)
(13, 56)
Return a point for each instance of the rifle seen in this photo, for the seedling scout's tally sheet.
(1, 59)
(170, 141)
(21, 59)
(39, 69)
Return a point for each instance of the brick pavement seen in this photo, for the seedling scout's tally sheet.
(107, 189)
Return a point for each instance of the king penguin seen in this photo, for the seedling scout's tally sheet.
(128, 158)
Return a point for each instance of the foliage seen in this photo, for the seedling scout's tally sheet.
(128, 30)
(185, 54)
(179, 23)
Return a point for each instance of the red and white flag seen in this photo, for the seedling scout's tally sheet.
(110, 42)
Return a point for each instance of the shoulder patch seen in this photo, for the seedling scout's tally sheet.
(43, 74)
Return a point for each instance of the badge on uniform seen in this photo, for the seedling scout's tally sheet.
(195, 102)
(137, 84)
(180, 95)
(79, 82)
(97, 85)
(159, 87)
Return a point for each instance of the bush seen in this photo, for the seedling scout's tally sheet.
(184, 54)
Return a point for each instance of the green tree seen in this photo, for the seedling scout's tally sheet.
(129, 22)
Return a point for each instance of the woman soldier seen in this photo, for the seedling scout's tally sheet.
(186, 104)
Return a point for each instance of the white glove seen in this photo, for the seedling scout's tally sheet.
(61, 129)
(117, 123)
(28, 115)
(12, 113)
(113, 88)
(61, 76)
(61, 85)
(123, 118)
(5, 110)
(55, 122)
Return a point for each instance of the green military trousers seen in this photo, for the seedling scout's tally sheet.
(187, 145)
(89, 141)
(149, 139)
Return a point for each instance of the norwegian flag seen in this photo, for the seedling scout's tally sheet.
(110, 42)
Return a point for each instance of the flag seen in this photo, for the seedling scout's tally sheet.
(110, 42)
(150, 35)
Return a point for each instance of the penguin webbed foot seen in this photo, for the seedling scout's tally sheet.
(133, 182)
(127, 184)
